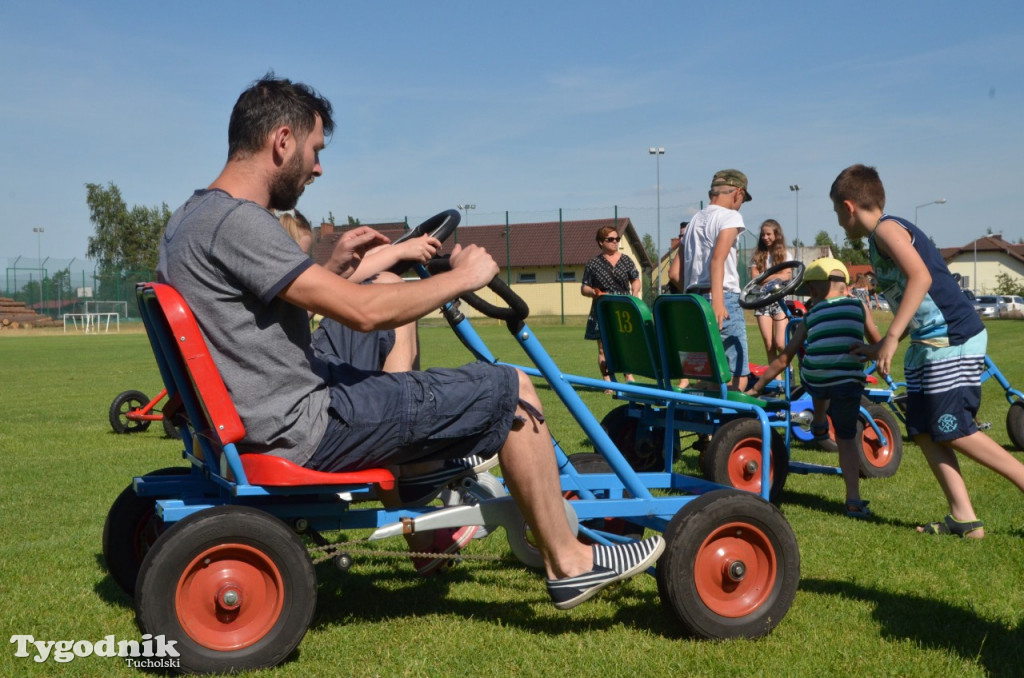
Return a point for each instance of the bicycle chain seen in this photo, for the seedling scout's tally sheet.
(329, 551)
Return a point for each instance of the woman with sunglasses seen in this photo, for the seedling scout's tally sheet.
(610, 272)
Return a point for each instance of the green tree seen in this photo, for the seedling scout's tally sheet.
(823, 239)
(126, 239)
(1007, 284)
(650, 282)
(126, 243)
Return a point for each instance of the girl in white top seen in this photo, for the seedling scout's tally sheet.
(771, 320)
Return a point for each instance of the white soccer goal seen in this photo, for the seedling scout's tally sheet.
(118, 307)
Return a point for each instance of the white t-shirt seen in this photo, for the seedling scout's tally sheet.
(699, 243)
(768, 263)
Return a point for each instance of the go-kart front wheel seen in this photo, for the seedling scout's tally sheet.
(232, 586)
(733, 458)
(731, 566)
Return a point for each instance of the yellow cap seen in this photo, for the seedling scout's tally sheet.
(821, 269)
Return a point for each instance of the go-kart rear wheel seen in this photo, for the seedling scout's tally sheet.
(877, 460)
(169, 429)
(644, 449)
(589, 462)
(232, 586)
(130, 529)
(731, 566)
(1015, 423)
(733, 458)
(121, 406)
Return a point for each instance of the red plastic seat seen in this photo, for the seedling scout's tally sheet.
(266, 469)
(208, 399)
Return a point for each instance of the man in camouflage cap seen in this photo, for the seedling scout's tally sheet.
(710, 261)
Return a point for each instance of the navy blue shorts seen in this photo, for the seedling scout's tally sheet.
(335, 343)
(843, 406)
(384, 419)
(944, 388)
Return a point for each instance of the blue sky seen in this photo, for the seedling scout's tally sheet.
(526, 107)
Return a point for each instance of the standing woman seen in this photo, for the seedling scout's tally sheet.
(771, 320)
(610, 272)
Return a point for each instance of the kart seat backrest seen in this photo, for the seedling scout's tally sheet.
(690, 345)
(628, 337)
(190, 374)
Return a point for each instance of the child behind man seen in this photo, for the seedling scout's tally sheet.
(832, 375)
(946, 356)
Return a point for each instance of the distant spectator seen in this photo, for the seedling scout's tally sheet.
(772, 319)
(610, 272)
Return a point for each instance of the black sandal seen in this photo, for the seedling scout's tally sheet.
(822, 438)
(951, 525)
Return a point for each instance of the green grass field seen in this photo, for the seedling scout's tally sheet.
(875, 597)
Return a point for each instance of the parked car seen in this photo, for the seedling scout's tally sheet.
(987, 306)
(1011, 306)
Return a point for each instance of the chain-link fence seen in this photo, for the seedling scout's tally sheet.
(53, 287)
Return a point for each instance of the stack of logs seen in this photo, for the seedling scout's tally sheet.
(15, 315)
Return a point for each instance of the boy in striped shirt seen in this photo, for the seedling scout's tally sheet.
(831, 374)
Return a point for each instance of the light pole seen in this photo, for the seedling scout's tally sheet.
(940, 201)
(796, 237)
(657, 152)
(465, 208)
(39, 230)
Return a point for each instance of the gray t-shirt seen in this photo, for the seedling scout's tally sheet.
(229, 259)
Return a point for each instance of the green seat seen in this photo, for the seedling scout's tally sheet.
(628, 337)
(690, 346)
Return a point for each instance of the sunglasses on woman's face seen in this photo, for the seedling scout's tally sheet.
(611, 239)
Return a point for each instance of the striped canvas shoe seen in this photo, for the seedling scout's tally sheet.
(611, 564)
(422, 489)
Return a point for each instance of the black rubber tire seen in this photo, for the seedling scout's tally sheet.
(643, 449)
(215, 553)
(121, 406)
(130, 529)
(733, 458)
(876, 461)
(591, 462)
(1015, 423)
(731, 566)
(169, 429)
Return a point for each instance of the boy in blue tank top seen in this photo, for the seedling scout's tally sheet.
(832, 375)
(946, 356)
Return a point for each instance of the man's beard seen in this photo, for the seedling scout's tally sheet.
(288, 185)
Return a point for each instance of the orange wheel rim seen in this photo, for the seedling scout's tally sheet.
(877, 454)
(735, 570)
(229, 597)
(744, 467)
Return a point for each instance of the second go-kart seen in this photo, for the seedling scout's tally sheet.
(678, 339)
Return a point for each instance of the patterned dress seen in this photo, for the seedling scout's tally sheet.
(601, 275)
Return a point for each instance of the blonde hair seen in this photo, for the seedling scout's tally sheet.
(296, 224)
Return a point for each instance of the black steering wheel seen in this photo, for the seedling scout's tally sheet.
(758, 293)
(439, 226)
(514, 313)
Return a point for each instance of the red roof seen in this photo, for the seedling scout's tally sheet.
(530, 245)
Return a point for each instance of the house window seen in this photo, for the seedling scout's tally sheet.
(527, 278)
(566, 276)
